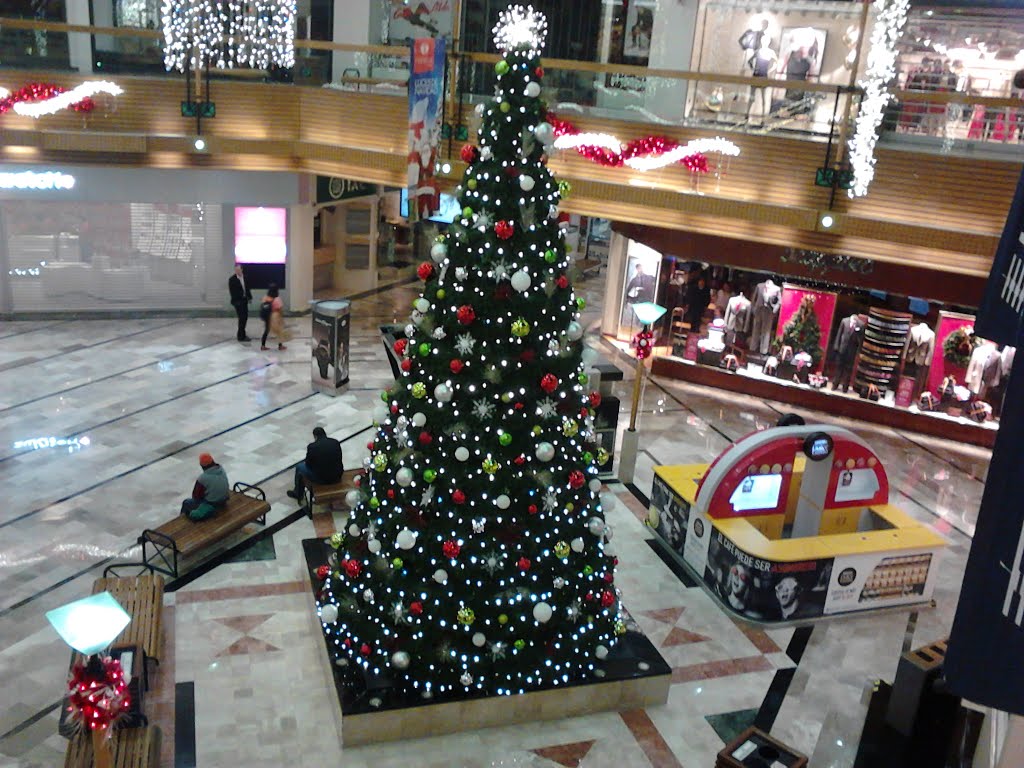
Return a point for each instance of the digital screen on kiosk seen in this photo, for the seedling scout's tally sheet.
(757, 492)
(261, 235)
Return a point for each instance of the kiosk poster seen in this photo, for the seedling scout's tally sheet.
(879, 580)
(770, 591)
(673, 515)
(426, 87)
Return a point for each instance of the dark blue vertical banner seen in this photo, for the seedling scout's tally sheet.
(983, 661)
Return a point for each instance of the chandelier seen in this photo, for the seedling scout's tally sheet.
(225, 34)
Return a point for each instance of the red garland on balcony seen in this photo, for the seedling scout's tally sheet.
(649, 146)
(42, 92)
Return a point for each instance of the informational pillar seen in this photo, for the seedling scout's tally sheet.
(330, 345)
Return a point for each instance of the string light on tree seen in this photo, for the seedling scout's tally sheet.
(485, 454)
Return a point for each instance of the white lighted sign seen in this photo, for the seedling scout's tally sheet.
(757, 492)
(261, 235)
(43, 181)
(856, 485)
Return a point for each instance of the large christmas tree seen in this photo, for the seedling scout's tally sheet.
(477, 557)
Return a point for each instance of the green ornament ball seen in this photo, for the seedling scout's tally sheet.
(581, 303)
(374, 502)
(537, 430)
(520, 328)
(467, 212)
(519, 644)
(503, 619)
(505, 107)
(570, 507)
(424, 349)
(505, 438)
(602, 456)
(561, 549)
(550, 256)
(337, 539)
(501, 67)
(471, 184)
(384, 396)
(397, 562)
(506, 397)
(419, 390)
(620, 628)
(588, 457)
(430, 475)
(490, 466)
(583, 379)
(466, 616)
(564, 188)
(380, 462)
(440, 293)
(587, 570)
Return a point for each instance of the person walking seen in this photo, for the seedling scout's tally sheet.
(272, 314)
(240, 298)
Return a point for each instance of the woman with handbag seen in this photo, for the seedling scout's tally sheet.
(272, 315)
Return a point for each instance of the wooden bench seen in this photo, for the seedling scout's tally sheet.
(163, 547)
(131, 747)
(142, 597)
(323, 494)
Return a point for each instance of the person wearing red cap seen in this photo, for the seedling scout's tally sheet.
(210, 492)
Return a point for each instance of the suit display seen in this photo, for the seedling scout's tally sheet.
(984, 370)
(845, 348)
(240, 298)
(917, 359)
(737, 317)
(764, 315)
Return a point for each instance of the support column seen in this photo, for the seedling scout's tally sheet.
(299, 272)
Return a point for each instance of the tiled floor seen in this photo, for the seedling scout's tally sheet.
(136, 401)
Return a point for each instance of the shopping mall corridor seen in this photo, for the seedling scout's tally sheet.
(131, 403)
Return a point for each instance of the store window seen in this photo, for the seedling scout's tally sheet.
(34, 48)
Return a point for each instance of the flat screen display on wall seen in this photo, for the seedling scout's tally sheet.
(261, 235)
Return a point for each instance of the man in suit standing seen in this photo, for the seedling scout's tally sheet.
(240, 298)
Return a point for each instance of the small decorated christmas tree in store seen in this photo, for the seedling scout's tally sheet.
(477, 557)
(803, 332)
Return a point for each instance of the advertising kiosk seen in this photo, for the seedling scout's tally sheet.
(793, 523)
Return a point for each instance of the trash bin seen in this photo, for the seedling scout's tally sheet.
(330, 334)
(756, 749)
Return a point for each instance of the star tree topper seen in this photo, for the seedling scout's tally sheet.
(520, 27)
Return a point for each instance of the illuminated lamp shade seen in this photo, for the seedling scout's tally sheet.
(89, 625)
(648, 313)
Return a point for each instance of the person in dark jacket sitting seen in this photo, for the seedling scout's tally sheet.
(323, 463)
(210, 492)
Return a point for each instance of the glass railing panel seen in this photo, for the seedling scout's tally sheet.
(33, 49)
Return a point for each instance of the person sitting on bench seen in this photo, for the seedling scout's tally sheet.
(323, 464)
(210, 492)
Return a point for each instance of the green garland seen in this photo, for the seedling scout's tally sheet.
(959, 345)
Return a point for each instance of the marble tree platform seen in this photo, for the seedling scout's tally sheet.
(634, 676)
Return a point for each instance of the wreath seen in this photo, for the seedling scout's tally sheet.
(959, 345)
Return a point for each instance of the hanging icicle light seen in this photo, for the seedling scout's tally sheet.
(258, 34)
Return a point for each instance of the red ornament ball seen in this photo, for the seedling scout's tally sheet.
(353, 568)
(532, 509)
(523, 564)
(400, 345)
(609, 577)
(527, 356)
(539, 71)
(519, 460)
(504, 229)
(406, 364)
(348, 642)
(458, 497)
(595, 399)
(549, 383)
(576, 479)
(469, 153)
(323, 571)
(365, 649)
(425, 438)
(456, 366)
(465, 314)
(416, 608)
(425, 271)
(607, 599)
(451, 549)
(562, 282)
(391, 493)
(503, 292)
(369, 445)
(394, 407)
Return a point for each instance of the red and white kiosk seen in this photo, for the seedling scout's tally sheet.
(795, 522)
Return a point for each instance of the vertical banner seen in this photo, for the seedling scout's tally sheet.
(987, 641)
(426, 105)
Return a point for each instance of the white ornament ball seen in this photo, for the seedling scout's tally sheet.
(576, 544)
(596, 526)
(503, 502)
(329, 614)
(542, 612)
(404, 477)
(410, 331)
(545, 452)
(405, 539)
(589, 355)
(545, 134)
(416, 317)
(441, 576)
(595, 485)
(368, 595)
(574, 331)
(609, 549)
(419, 419)
(352, 498)
(526, 183)
(374, 546)
(380, 413)
(422, 305)
(521, 280)
(442, 393)
(601, 652)
(479, 639)
(559, 582)
(400, 660)
(353, 530)
(462, 453)
(466, 679)
(533, 89)
(438, 251)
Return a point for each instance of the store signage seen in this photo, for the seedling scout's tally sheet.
(332, 188)
(261, 235)
(692, 341)
(905, 392)
(1001, 316)
(818, 446)
(823, 263)
(43, 181)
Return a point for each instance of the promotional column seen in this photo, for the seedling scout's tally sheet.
(330, 345)
(426, 87)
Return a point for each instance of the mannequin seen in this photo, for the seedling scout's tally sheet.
(737, 318)
(984, 370)
(764, 315)
(918, 356)
(763, 64)
(750, 42)
(845, 348)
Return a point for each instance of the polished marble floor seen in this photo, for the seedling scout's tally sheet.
(131, 403)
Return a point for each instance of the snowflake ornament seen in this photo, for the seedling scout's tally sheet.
(427, 496)
(492, 563)
(575, 611)
(550, 502)
(498, 650)
(398, 613)
(483, 409)
(500, 270)
(464, 344)
(483, 220)
(547, 408)
(519, 28)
